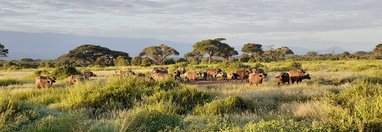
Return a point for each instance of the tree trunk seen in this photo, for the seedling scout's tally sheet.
(209, 60)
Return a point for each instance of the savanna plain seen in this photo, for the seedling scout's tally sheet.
(342, 95)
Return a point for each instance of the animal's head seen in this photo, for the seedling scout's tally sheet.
(176, 73)
(307, 76)
(53, 79)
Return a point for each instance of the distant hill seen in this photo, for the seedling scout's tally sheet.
(52, 45)
(302, 51)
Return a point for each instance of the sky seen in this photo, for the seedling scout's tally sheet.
(315, 24)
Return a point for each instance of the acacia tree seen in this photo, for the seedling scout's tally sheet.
(226, 51)
(214, 47)
(252, 49)
(378, 51)
(3, 51)
(158, 54)
(88, 54)
(311, 54)
(193, 57)
(283, 51)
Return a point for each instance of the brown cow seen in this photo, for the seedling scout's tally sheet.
(44, 81)
(160, 70)
(255, 78)
(298, 75)
(72, 79)
(282, 78)
(213, 73)
(243, 74)
(191, 76)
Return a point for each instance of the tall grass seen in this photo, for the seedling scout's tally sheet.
(342, 96)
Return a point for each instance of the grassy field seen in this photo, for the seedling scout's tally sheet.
(342, 96)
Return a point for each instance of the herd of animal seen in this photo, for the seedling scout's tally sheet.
(252, 76)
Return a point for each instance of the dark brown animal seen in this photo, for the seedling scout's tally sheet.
(282, 78)
(255, 78)
(203, 75)
(213, 73)
(191, 76)
(298, 75)
(72, 79)
(88, 74)
(44, 82)
(222, 75)
(243, 74)
(260, 71)
(160, 70)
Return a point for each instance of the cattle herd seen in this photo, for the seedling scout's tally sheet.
(252, 76)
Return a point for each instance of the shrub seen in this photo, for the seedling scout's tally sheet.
(61, 123)
(6, 82)
(232, 104)
(64, 71)
(150, 120)
(146, 62)
(41, 72)
(295, 65)
(356, 109)
(117, 93)
(186, 98)
(15, 113)
(11, 66)
(121, 61)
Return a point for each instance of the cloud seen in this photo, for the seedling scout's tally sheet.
(189, 20)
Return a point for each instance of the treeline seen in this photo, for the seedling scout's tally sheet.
(206, 51)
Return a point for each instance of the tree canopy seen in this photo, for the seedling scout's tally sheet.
(252, 49)
(214, 48)
(3, 51)
(158, 54)
(89, 54)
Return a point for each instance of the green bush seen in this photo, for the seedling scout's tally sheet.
(295, 65)
(150, 121)
(41, 72)
(186, 99)
(356, 109)
(232, 104)
(61, 123)
(15, 113)
(64, 71)
(6, 82)
(116, 93)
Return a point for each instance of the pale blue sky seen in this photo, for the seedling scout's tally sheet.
(350, 24)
